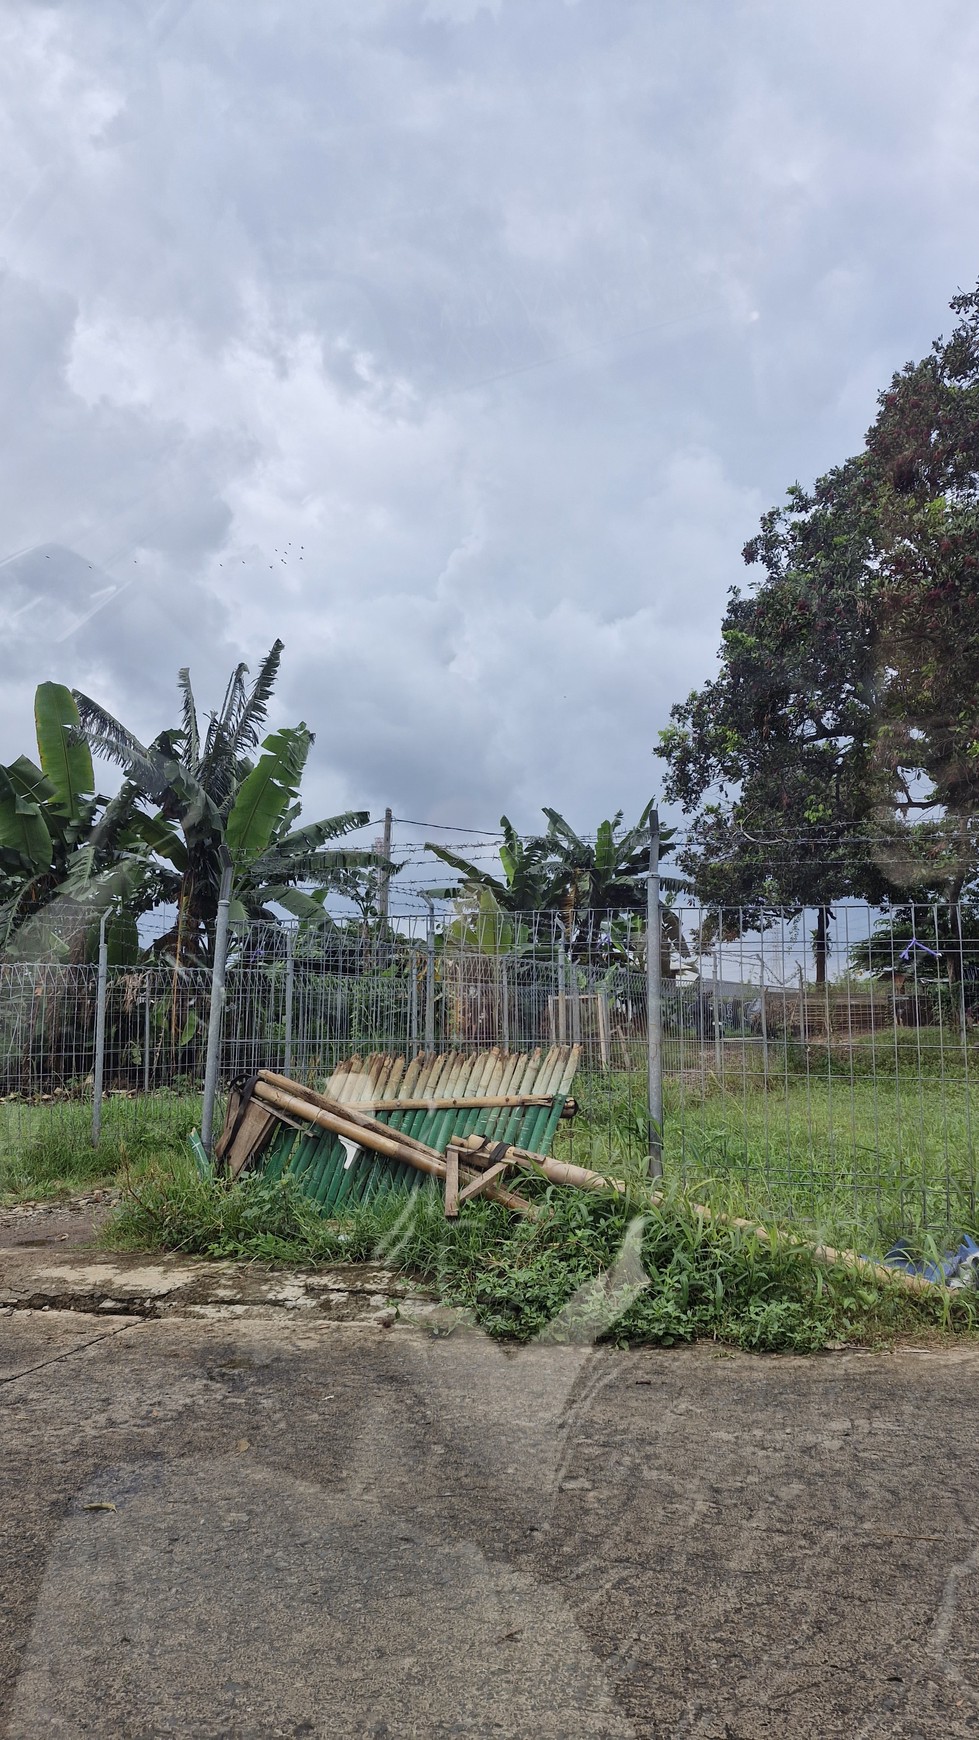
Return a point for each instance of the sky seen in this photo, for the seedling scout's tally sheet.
(460, 343)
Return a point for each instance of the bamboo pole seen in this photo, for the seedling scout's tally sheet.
(349, 1109)
(451, 1103)
(825, 1254)
(558, 1171)
(581, 1178)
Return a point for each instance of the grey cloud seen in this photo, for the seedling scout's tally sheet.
(459, 343)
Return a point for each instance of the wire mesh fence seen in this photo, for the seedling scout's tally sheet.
(818, 1066)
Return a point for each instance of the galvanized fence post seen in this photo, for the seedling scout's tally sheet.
(287, 1019)
(562, 1003)
(215, 1013)
(505, 997)
(413, 1001)
(718, 1029)
(654, 1004)
(100, 999)
(430, 980)
(146, 1033)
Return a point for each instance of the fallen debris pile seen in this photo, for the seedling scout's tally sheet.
(386, 1122)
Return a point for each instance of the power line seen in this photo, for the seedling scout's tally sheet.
(450, 828)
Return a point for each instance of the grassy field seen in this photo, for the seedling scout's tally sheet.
(896, 1161)
(863, 1166)
(862, 1148)
(46, 1148)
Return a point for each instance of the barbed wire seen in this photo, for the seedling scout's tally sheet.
(836, 834)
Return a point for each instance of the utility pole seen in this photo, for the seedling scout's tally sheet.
(430, 975)
(384, 887)
(654, 1004)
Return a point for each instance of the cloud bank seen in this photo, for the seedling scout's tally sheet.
(458, 342)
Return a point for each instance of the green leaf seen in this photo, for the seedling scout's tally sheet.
(161, 838)
(302, 906)
(123, 940)
(605, 853)
(22, 827)
(65, 756)
(189, 1028)
(28, 781)
(266, 794)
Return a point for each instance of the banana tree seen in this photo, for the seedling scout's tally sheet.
(221, 787)
(526, 884)
(595, 882)
(67, 854)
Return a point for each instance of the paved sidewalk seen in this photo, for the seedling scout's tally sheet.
(228, 1513)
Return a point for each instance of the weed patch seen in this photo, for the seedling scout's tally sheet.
(587, 1267)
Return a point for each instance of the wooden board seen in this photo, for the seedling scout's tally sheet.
(249, 1139)
(451, 1183)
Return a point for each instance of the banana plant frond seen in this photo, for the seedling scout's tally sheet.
(250, 712)
(106, 736)
(305, 907)
(188, 709)
(314, 834)
(469, 872)
(109, 831)
(558, 828)
(319, 866)
(28, 781)
(65, 756)
(269, 790)
(23, 829)
(234, 701)
(160, 837)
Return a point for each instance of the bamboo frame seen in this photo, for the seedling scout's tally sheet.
(368, 1134)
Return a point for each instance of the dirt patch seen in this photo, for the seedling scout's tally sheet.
(69, 1224)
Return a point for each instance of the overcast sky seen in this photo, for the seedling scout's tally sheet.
(458, 342)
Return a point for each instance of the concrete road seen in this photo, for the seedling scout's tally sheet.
(262, 1522)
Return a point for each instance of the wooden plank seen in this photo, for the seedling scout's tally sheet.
(250, 1138)
(485, 1181)
(451, 1183)
(231, 1113)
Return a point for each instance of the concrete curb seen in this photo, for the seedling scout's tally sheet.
(107, 1284)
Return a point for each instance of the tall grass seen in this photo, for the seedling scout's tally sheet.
(860, 1158)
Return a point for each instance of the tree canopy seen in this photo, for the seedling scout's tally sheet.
(67, 853)
(591, 881)
(836, 752)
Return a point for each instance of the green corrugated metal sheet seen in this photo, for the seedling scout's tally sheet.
(317, 1159)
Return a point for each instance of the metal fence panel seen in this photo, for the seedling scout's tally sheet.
(828, 1084)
